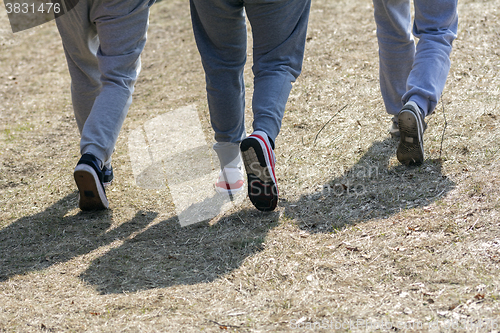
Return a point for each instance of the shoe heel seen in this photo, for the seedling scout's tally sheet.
(92, 194)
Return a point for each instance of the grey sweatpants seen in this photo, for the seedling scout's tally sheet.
(279, 35)
(103, 41)
(410, 72)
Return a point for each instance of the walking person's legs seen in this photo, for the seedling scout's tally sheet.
(435, 26)
(396, 50)
(103, 43)
(412, 78)
(221, 36)
(279, 33)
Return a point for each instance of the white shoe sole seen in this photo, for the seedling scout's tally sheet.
(92, 195)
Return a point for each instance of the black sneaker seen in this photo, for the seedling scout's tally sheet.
(411, 129)
(89, 179)
(107, 179)
(258, 157)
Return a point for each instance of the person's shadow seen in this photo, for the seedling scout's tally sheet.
(153, 255)
(372, 188)
(163, 254)
(38, 241)
(167, 254)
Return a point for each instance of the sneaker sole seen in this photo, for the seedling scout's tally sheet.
(224, 191)
(92, 196)
(410, 149)
(234, 191)
(262, 189)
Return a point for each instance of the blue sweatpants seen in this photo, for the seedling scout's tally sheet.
(279, 34)
(103, 41)
(408, 72)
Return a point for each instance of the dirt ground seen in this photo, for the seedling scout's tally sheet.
(358, 243)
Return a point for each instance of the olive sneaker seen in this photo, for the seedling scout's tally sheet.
(411, 128)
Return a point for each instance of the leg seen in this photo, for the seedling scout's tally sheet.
(221, 36)
(435, 25)
(103, 72)
(396, 50)
(80, 42)
(122, 28)
(104, 63)
(279, 31)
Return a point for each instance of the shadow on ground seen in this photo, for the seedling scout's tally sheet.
(39, 241)
(163, 255)
(167, 254)
(370, 189)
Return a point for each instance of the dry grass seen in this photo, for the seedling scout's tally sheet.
(356, 235)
